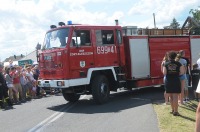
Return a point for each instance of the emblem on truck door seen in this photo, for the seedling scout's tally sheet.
(82, 64)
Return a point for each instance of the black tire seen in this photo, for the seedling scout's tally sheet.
(100, 89)
(71, 97)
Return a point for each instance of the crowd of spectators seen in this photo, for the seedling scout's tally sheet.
(20, 84)
(177, 77)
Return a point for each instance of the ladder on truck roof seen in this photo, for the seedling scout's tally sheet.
(133, 30)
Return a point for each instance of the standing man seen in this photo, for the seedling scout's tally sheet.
(3, 90)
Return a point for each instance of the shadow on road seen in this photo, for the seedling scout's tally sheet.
(118, 102)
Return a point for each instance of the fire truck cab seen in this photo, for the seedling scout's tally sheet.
(82, 59)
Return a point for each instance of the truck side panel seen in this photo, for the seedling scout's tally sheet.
(158, 46)
(144, 55)
(195, 48)
(139, 55)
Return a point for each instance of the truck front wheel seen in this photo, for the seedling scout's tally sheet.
(100, 89)
(71, 97)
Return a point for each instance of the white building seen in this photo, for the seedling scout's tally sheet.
(21, 59)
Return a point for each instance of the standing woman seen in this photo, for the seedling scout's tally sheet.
(11, 88)
(172, 70)
(165, 59)
(183, 78)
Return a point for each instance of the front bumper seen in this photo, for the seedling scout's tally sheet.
(62, 83)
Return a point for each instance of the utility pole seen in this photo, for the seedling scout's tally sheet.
(154, 20)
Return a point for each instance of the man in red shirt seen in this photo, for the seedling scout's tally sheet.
(15, 93)
(16, 82)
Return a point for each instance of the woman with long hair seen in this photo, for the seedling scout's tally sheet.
(183, 78)
(165, 59)
(172, 70)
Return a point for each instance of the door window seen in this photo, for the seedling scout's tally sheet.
(104, 37)
(81, 38)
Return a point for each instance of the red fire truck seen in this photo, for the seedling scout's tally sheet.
(87, 59)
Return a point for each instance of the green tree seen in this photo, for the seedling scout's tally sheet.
(174, 24)
(196, 16)
(195, 13)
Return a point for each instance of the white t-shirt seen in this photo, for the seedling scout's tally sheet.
(30, 76)
(198, 62)
(198, 87)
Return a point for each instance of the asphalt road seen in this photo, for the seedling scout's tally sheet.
(127, 111)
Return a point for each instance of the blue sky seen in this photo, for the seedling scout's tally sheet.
(23, 23)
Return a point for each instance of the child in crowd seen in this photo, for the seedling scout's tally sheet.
(195, 73)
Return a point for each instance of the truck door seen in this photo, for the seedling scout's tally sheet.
(81, 53)
(105, 49)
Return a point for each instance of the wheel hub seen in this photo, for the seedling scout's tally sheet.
(103, 88)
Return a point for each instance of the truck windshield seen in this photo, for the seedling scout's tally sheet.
(56, 39)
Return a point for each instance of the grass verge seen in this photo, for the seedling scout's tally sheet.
(169, 123)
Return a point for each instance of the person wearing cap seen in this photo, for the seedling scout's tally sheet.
(3, 90)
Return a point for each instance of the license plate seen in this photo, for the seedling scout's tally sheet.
(46, 85)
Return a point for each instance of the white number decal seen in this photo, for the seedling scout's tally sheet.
(98, 50)
(106, 49)
(102, 50)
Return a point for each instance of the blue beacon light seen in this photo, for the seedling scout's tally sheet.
(69, 22)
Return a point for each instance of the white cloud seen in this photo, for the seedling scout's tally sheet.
(23, 23)
(164, 11)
